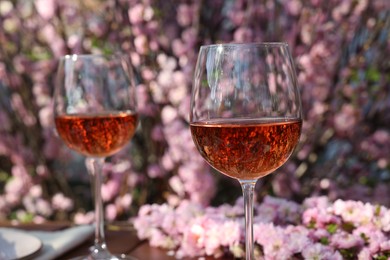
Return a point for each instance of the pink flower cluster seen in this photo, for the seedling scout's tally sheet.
(338, 47)
(315, 229)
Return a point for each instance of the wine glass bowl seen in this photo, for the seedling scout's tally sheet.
(95, 115)
(97, 135)
(246, 149)
(245, 116)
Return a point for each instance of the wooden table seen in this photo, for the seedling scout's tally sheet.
(120, 239)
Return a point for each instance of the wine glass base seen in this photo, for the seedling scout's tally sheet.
(111, 257)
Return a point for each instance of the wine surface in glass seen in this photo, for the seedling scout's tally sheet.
(97, 135)
(246, 149)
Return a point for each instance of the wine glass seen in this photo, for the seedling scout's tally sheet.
(95, 115)
(246, 115)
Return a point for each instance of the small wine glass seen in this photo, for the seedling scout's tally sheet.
(95, 115)
(246, 115)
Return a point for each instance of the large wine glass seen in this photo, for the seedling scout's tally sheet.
(95, 115)
(246, 116)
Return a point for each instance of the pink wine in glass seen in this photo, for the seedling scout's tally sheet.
(246, 149)
(97, 135)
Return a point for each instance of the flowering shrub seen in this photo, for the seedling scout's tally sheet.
(339, 48)
(315, 229)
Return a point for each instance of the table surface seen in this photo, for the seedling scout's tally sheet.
(120, 239)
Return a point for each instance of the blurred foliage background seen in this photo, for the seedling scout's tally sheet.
(341, 50)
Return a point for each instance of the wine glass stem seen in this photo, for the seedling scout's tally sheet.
(95, 167)
(248, 190)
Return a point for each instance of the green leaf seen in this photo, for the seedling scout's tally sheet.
(25, 218)
(373, 74)
(347, 253)
(332, 228)
(3, 176)
(354, 78)
(312, 224)
(377, 210)
(364, 237)
(380, 257)
(324, 241)
(348, 227)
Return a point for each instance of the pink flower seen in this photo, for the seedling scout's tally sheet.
(230, 233)
(286, 211)
(147, 74)
(17, 186)
(110, 189)
(35, 191)
(377, 145)
(212, 243)
(157, 133)
(155, 171)
(52, 146)
(179, 47)
(319, 251)
(42, 171)
(59, 201)
(208, 231)
(345, 240)
(184, 14)
(198, 183)
(346, 120)
(12, 199)
(5, 122)
(43, 207)
(373, 236)
(111, 212)
(237, 17)
(166, 62)
(274, 241)
(84, 218)
(124, 201)
(136, 13)
(364, 254)
(318, 234)
(229, 211)
(164, 79)
(160, 239)
(39, 219)
(145, 105)
(266, 213)
(190, 245)
(179, 90)
(294, 7)
(243, 34)
(298, 237)
(168, 114)
(188, 210)
(317, 202)
(177, 185)
(141, 44)
(341, 10)
(56, 43)
(45, 8)
(171, 225)
(384, 219)
(189, 36)
(385, 246)
(205, 234)
(167, 162)
(141, 223)
(354, 211)
(318, 217)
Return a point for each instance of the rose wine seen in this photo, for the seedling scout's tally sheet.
(246, 149)
(97, 135)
